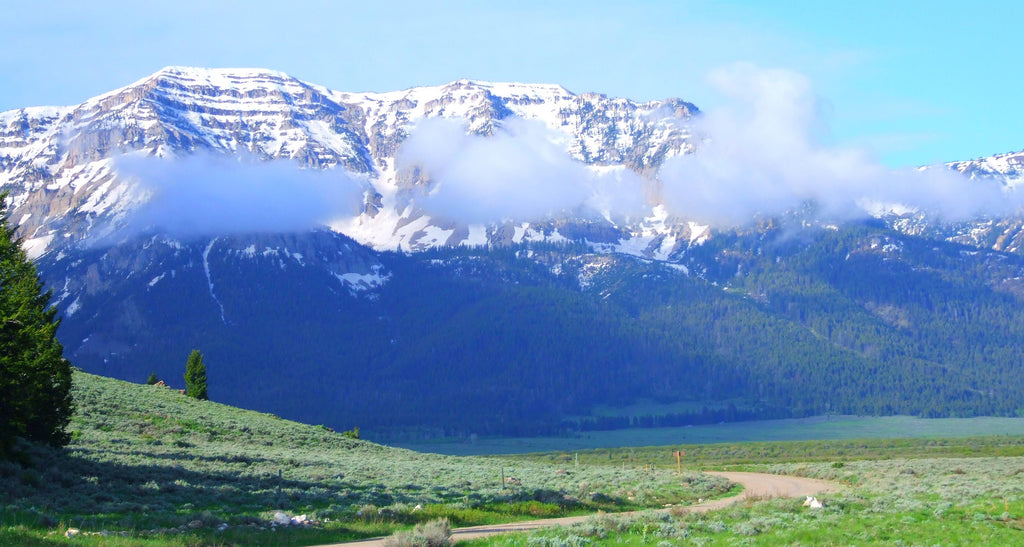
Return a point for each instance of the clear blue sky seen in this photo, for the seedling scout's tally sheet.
(915, 81)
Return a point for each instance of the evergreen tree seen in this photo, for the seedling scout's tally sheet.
(195, 376)
(35, 379)
(152, 380)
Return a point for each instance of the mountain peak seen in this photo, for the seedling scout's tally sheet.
(508, 88)
(219, 76)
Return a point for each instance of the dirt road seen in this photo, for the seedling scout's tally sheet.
(755, 485)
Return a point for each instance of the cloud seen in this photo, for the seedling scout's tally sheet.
(766, 153)
(208, 194)
(522, 172)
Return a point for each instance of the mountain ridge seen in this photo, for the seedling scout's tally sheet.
(270, 115)
(183, 111)
(412, 321)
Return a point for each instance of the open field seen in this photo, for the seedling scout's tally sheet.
(924, 501)
(148, 465)
(817, 428)
(755, 485)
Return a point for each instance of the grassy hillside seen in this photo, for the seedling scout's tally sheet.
(149, 465)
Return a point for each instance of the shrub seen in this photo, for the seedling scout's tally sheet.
(436, 533)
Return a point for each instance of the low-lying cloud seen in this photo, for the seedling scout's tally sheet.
(211, 194)
(765, 153)
(521, 172)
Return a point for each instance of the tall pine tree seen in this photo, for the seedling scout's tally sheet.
(195, 376)
(35, 379)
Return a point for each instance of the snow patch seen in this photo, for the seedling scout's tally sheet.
(209, 279)
(699, 233)
(434, 236)
(477, 236)
(519, 232)
(36, 247)
(362, 282)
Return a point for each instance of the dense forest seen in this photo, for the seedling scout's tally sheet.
(764, 323)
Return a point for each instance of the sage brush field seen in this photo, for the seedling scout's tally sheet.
(907, 501)
(147, 464)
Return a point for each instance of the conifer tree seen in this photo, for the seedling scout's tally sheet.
(195, 376)
(35, 379)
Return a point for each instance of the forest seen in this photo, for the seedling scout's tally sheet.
(527, 340)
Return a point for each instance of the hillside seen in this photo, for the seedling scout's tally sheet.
(147, 461)
(527, 340)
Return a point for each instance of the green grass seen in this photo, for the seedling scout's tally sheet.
(817, 428)
(707, 456)
(919, 501)
(150, 466)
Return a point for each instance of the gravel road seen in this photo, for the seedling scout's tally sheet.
(755, 485)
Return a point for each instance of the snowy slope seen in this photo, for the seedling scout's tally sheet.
(59, 163)
(1008, 168)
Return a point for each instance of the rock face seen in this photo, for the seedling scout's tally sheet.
(59, 164)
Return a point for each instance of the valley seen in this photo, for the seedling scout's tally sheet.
(541, 274)
(149, 466)
(905, 433)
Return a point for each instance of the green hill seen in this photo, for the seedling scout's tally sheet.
(156, 467)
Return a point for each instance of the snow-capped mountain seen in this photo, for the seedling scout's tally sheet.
(540, 320)
(1008, 168)
(1002, 232)
(59, 163)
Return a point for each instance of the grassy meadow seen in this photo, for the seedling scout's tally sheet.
(903, 501)
(796, 429)
(150, 466)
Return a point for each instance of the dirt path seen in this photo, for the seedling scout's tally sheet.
(755, 485)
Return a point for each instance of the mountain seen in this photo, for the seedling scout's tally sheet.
(407, 318)
(60, 163)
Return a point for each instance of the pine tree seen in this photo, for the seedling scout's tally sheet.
(35, 379)
(152, 380)
(195, 376)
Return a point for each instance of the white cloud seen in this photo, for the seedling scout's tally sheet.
(765, 153)
(206, 194)
(521, 172)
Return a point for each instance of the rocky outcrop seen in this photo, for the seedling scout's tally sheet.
(58, 163)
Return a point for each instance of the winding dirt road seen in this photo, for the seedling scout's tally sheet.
(755, 485)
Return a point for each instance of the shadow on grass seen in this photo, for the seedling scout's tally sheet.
(83, 488)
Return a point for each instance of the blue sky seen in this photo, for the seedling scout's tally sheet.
(912, 82)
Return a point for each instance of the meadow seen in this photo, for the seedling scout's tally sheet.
(150, 466)
(795, 429)
(899, 493)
